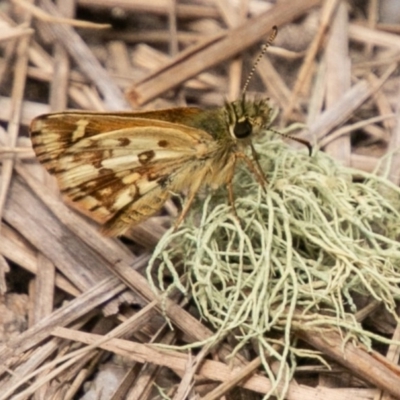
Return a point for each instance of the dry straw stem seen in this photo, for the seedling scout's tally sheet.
(7, 32)
(294, 262)
(43, 16)
(155, 7)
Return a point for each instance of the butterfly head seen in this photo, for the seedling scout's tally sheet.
(247, 119)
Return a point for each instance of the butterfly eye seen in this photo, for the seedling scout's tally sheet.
(242, 129)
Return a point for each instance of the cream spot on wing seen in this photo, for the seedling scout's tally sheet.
(92, 205)
(146, 185)
(131, 178)
(49, 136)
(107, 154)
(90, 184)
(79, 132)
(110, 143)
(124, 198)
(114, 162)
(37, 124)
(79, 174)
(102, 212)
(89, 202)
(106, 192)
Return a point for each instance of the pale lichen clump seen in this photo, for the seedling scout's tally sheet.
(302, 250)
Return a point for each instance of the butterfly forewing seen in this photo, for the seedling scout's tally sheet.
(120, 175)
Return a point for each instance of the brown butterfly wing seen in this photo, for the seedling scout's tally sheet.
(117, 169)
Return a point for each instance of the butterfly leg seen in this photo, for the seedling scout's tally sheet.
(191, 195)
(255, 169)
(231, 197)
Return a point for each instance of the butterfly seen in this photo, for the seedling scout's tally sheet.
(120, 168)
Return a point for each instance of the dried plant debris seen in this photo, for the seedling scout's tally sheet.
(296, 296)
(298, 256)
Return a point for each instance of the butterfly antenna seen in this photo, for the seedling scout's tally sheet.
(302, 141)
(271, 38)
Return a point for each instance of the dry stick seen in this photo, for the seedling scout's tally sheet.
(43, 16)
(4, 269)
(214, 370)
(32, 388)
(29, 362)
(9, 32)
(153, 7)
(316, 101)
(86, 61)
(239, 377)
(145, 374)
(134, 323)
(383, 104)
(30, 110)
(17, 251)
(393, 355)
(365, 35)
(126, 384)
(42, 298)
(119, 59)
(18, 152)
(353, 127)
(274, 83)
(173, 29)
(191, 368)
(216, 50)
(373, 16)
(338, 77)
(99, 294)
(364, 163)
(21, 68)
(83, 373)
(233, 17)
(342, 111)
(370, 366)
(154, 36)
(306, 68)
(83, 266)
(7, 58)
(59, 83)
(394, 144)
(174, 360)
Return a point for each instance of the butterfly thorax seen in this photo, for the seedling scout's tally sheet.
(233, 124)
(236, 122)
(232, 127)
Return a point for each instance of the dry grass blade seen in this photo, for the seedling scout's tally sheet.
(43, 16)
